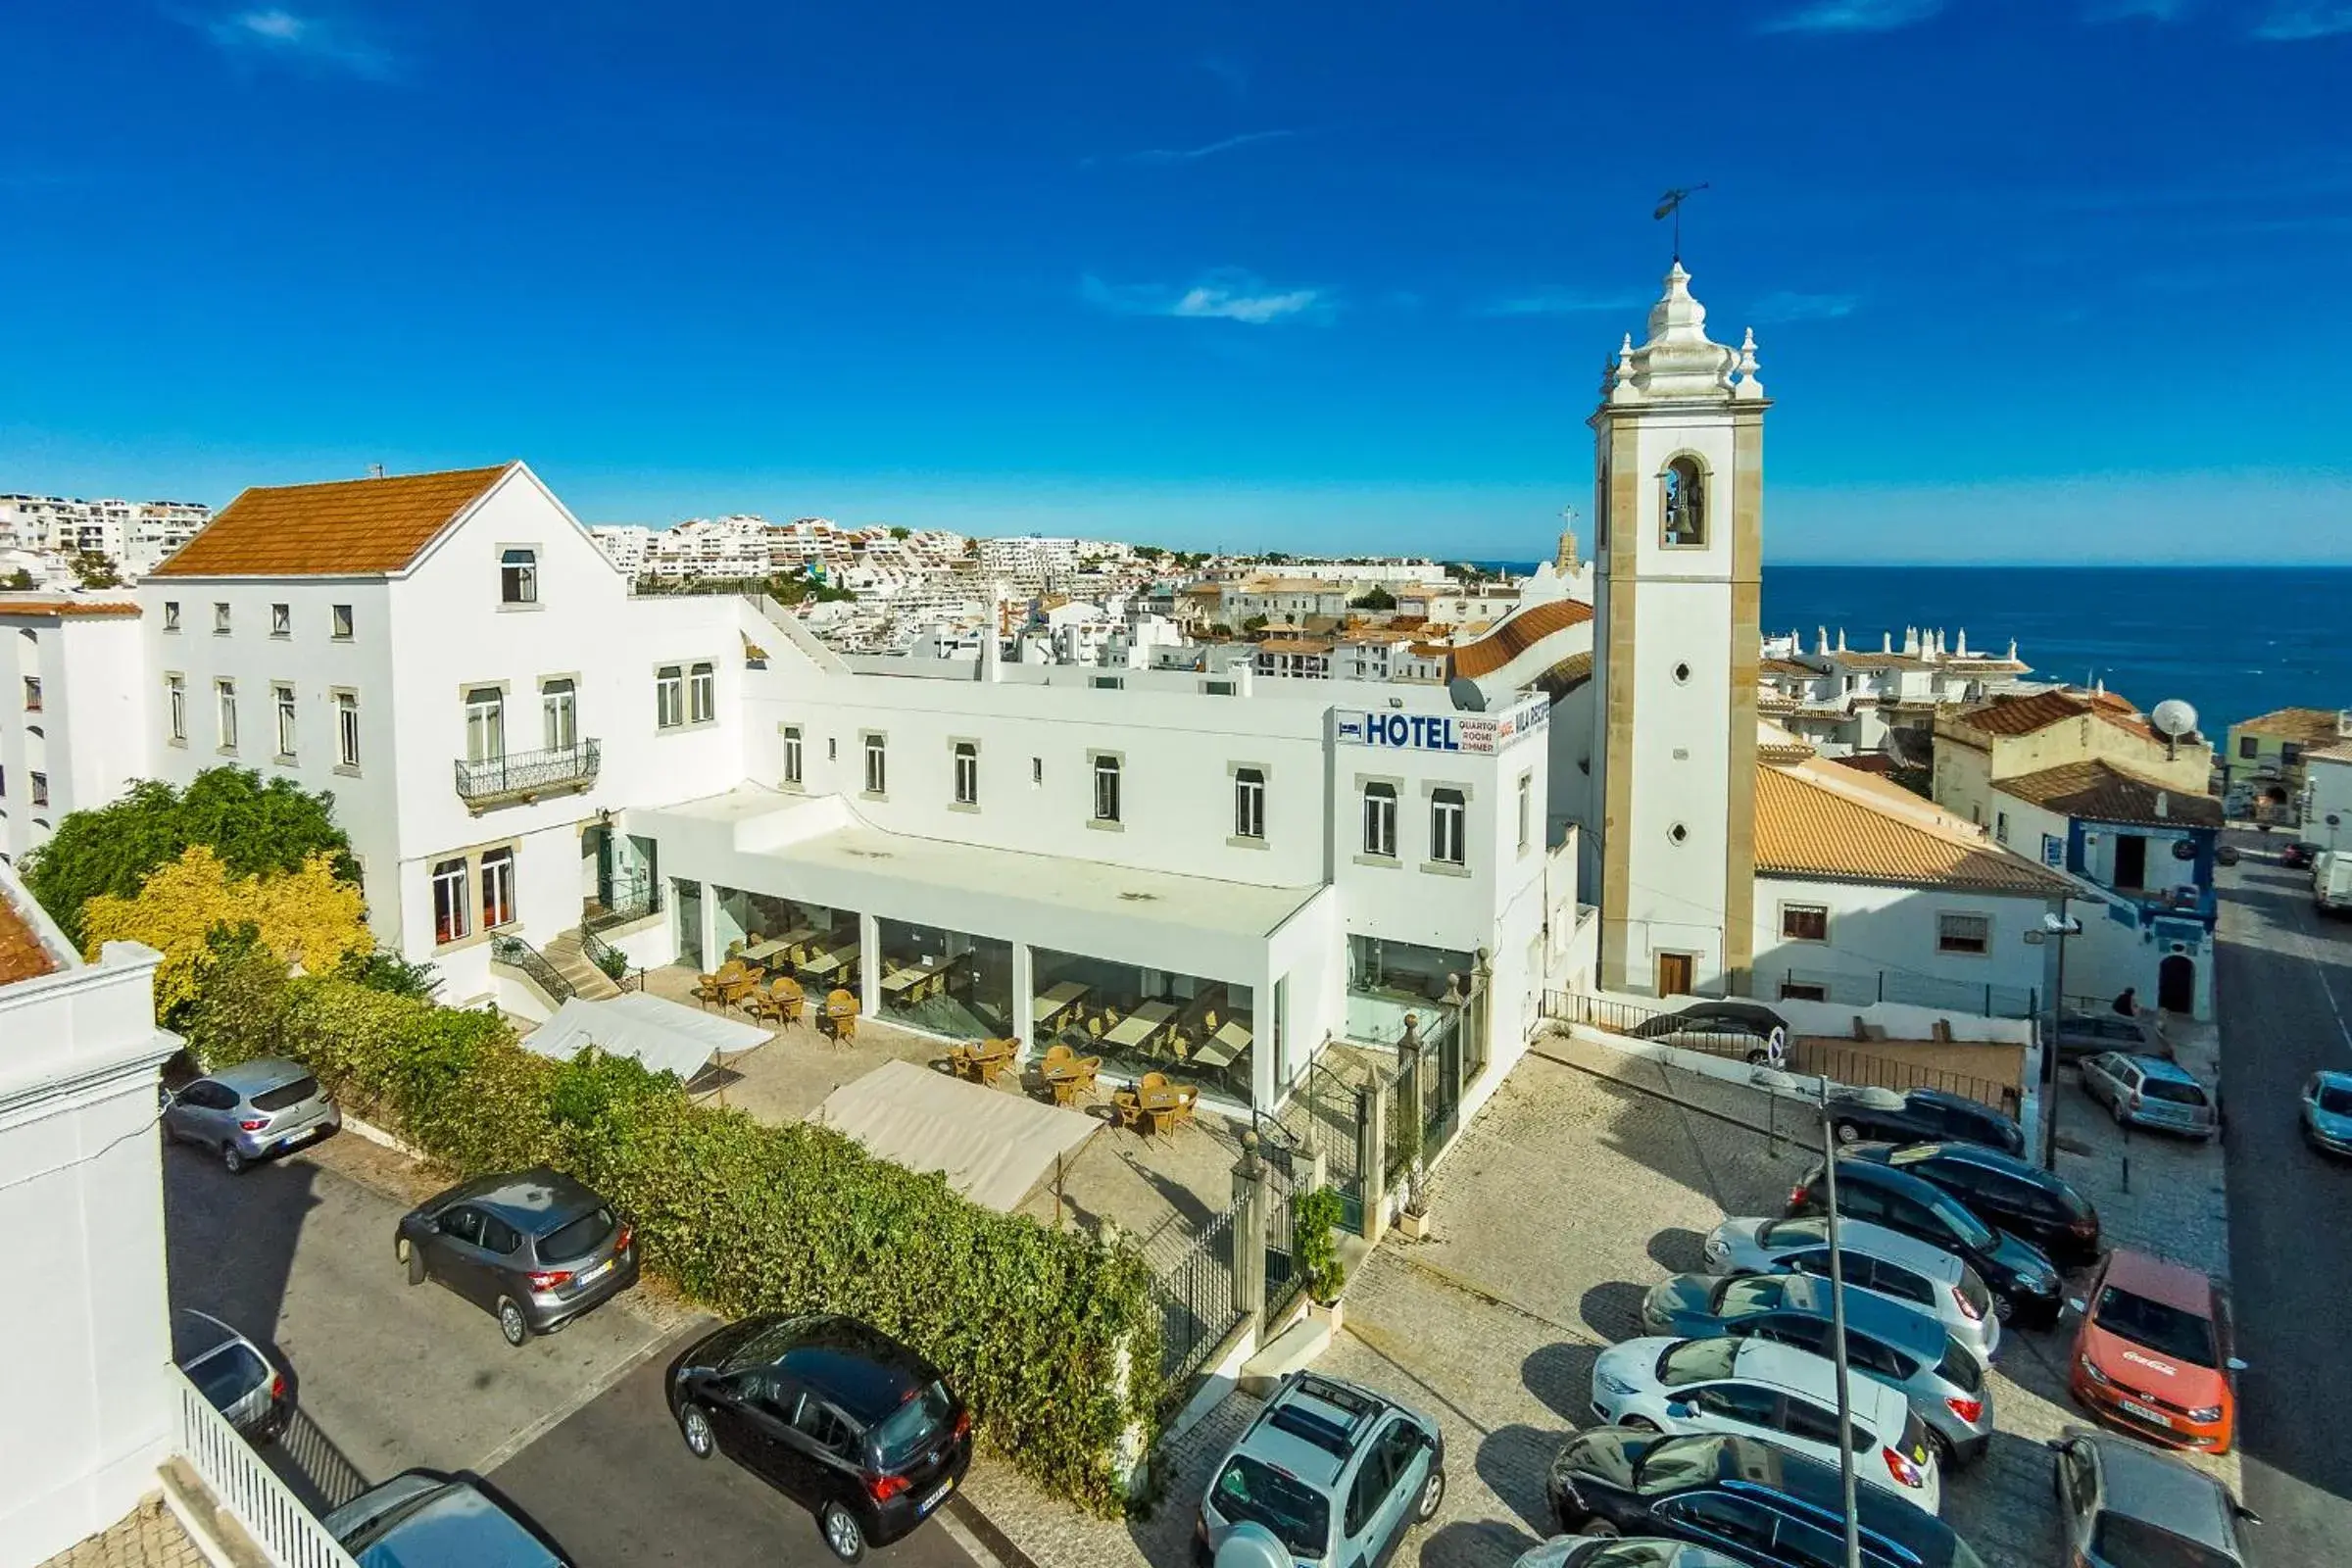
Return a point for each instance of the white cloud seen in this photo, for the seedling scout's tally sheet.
(1785, 305)
(271, 32)
(2298, 20)
(1854, 16)
(1567, 302)
(1221, 296)
(1188, 155)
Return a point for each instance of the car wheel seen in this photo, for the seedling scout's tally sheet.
(1640, 1423)
(1433, 1495)
(1941, 1447)
(511, 1323)
(844, 1536)
(411, 1259)
(1601, 1530)
(232, 1160)
(2116, 1109)
(2005, 1310)
(695, 1425)
(1848, 1133)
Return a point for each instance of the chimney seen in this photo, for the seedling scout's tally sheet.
(1821, 636)
(2013, 650)
(1960, 649)
(992, 632)
(1885, 641)
(1841, 639)
(2164, 803)
(1911, 641)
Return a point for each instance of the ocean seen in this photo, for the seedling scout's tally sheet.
(2231, 640)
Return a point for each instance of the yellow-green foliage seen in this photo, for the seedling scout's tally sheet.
(1033, 1326)
(304, 916)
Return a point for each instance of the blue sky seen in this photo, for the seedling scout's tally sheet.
(2027, 277)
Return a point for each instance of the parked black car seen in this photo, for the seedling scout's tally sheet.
(2088, 1034)
(535, 1249)
(2003, 1191)
(834, 1415)
(1755, 1503)
(2025, 1283)
(1920, 1116)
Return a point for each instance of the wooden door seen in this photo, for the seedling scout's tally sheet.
(1674, 974)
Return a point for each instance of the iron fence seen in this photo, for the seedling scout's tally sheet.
(1284, 1281)
(1867, 1069)
(624, 901)
(1598, 1013)
(1861, 989)
(1324, 1108)
(1194, 1293)
(524, 775)
(611, 959)
(288, 1533)
(516, 953)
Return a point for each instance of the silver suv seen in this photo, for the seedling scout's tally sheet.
(250, 1111)
(1336, 1472)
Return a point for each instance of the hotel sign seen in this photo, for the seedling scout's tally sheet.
(1480, 734)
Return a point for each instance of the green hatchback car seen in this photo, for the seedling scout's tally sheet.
(1338, 1472)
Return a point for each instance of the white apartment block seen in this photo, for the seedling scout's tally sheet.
(133, 534)
(57, 757)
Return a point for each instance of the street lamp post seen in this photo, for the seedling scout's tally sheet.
(2061, 927)
(1845, 1410)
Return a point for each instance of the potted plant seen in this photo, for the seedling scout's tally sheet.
(1412, 1221)
(1315, 1252)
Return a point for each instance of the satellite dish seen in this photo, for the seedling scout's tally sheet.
(1467, 694)
(2174, 717)
(1253, 1545)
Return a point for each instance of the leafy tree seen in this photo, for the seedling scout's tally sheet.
(1254, 623)
(898, 532)
(382, 969)
(1377, 599)
(306, 917)
(253, 827)
(20, 580)
(94, 568)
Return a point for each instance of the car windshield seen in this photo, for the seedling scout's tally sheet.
(2182, 1336)
(913, 1424)
(2335, 1099)
(2124, 1540)
(1973, 1232)
(1298, 1515)
(575, 1238)
(2172, 1090)
(1678, 1462)
(1753, 1293)
(227, 1374)
(1959, 1368)
(1697, 1361)
(284, 1094)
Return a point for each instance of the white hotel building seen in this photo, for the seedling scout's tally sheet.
(517, 744)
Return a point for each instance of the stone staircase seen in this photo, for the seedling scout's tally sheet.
(585, 978)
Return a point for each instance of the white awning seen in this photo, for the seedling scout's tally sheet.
(663, 1035)
(993, 1146)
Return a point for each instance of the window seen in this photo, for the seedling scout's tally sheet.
(449, 900)
(33, 694)
(284, 697)
(1805, 922)
(1249, 803)
(967, 773)
(2000, 826)
(485, 724)
(670, 696)
(175, 705)
(40, 789)
(347, 729)
(497, 888)
(1106, 789)
(1527, 803)
(825, 1428)
(465, 1224)
(220, 617)
(1447, 820)
(559, 714)
(1037, 771)
(498, 1236)
(1684, 493)
(282, 620)
(224, 695)
(171, 615)
(2249, 747)
(1803, 991)
(791, 754)
(1723, 1518)
(341, 624)
(1963, 933)
(1380, 820)
(877, 765)
(701, 694)
(518, 577)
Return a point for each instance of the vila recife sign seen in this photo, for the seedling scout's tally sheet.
(1480, 733)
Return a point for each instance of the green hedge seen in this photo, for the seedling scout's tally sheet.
(1028, 1323)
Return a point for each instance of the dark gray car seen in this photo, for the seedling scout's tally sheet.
(2086, 1034)
(252, 1110)
(2123, 1504)
(535, 1249)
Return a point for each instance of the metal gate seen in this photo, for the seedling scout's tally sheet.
(1330, 1111)
(1194, 1293)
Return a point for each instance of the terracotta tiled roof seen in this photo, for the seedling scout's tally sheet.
(1517, 635)
(1784, 666)
(1859, 661)
(2340, 752)
(1876, 764)
(2022, 715)
(353, 527)
(22, 956)
(94, 608)
(2312, 726)
(1293, 644)
(2102, 791)
(1817, 820)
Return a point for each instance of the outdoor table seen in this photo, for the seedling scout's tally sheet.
(1139, 1025)
(1226, 1043)
(1157, 1104)
(1065, 1079)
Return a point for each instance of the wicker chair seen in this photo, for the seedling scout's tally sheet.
(841, 1015)
(706, 989)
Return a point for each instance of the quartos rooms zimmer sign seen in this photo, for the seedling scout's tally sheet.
(1482, 733)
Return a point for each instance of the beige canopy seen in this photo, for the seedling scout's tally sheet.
(993, 1146)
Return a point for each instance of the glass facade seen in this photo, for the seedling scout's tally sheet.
(1141, 1020)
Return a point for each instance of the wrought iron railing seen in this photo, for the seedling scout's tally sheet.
(527, 775)
(611, 959)
(516, 953)
(1194, 1293)
(623, 903)
(288, 1533)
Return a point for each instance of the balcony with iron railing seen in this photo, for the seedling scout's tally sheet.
(525, 776)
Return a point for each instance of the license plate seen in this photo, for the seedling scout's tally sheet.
(293, 1138)
(932, 1502)
(2132, 1407)
(598, 1272)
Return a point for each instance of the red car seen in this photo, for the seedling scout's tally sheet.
(2152, 1353)
(2298, 856)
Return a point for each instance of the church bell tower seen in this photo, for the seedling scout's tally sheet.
(1679, 512)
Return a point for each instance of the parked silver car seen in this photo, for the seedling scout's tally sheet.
(231, 1373)
(1883, 1262)
(2150, 1092)
(254, 1110)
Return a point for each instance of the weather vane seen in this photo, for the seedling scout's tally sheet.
(1670, 205)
